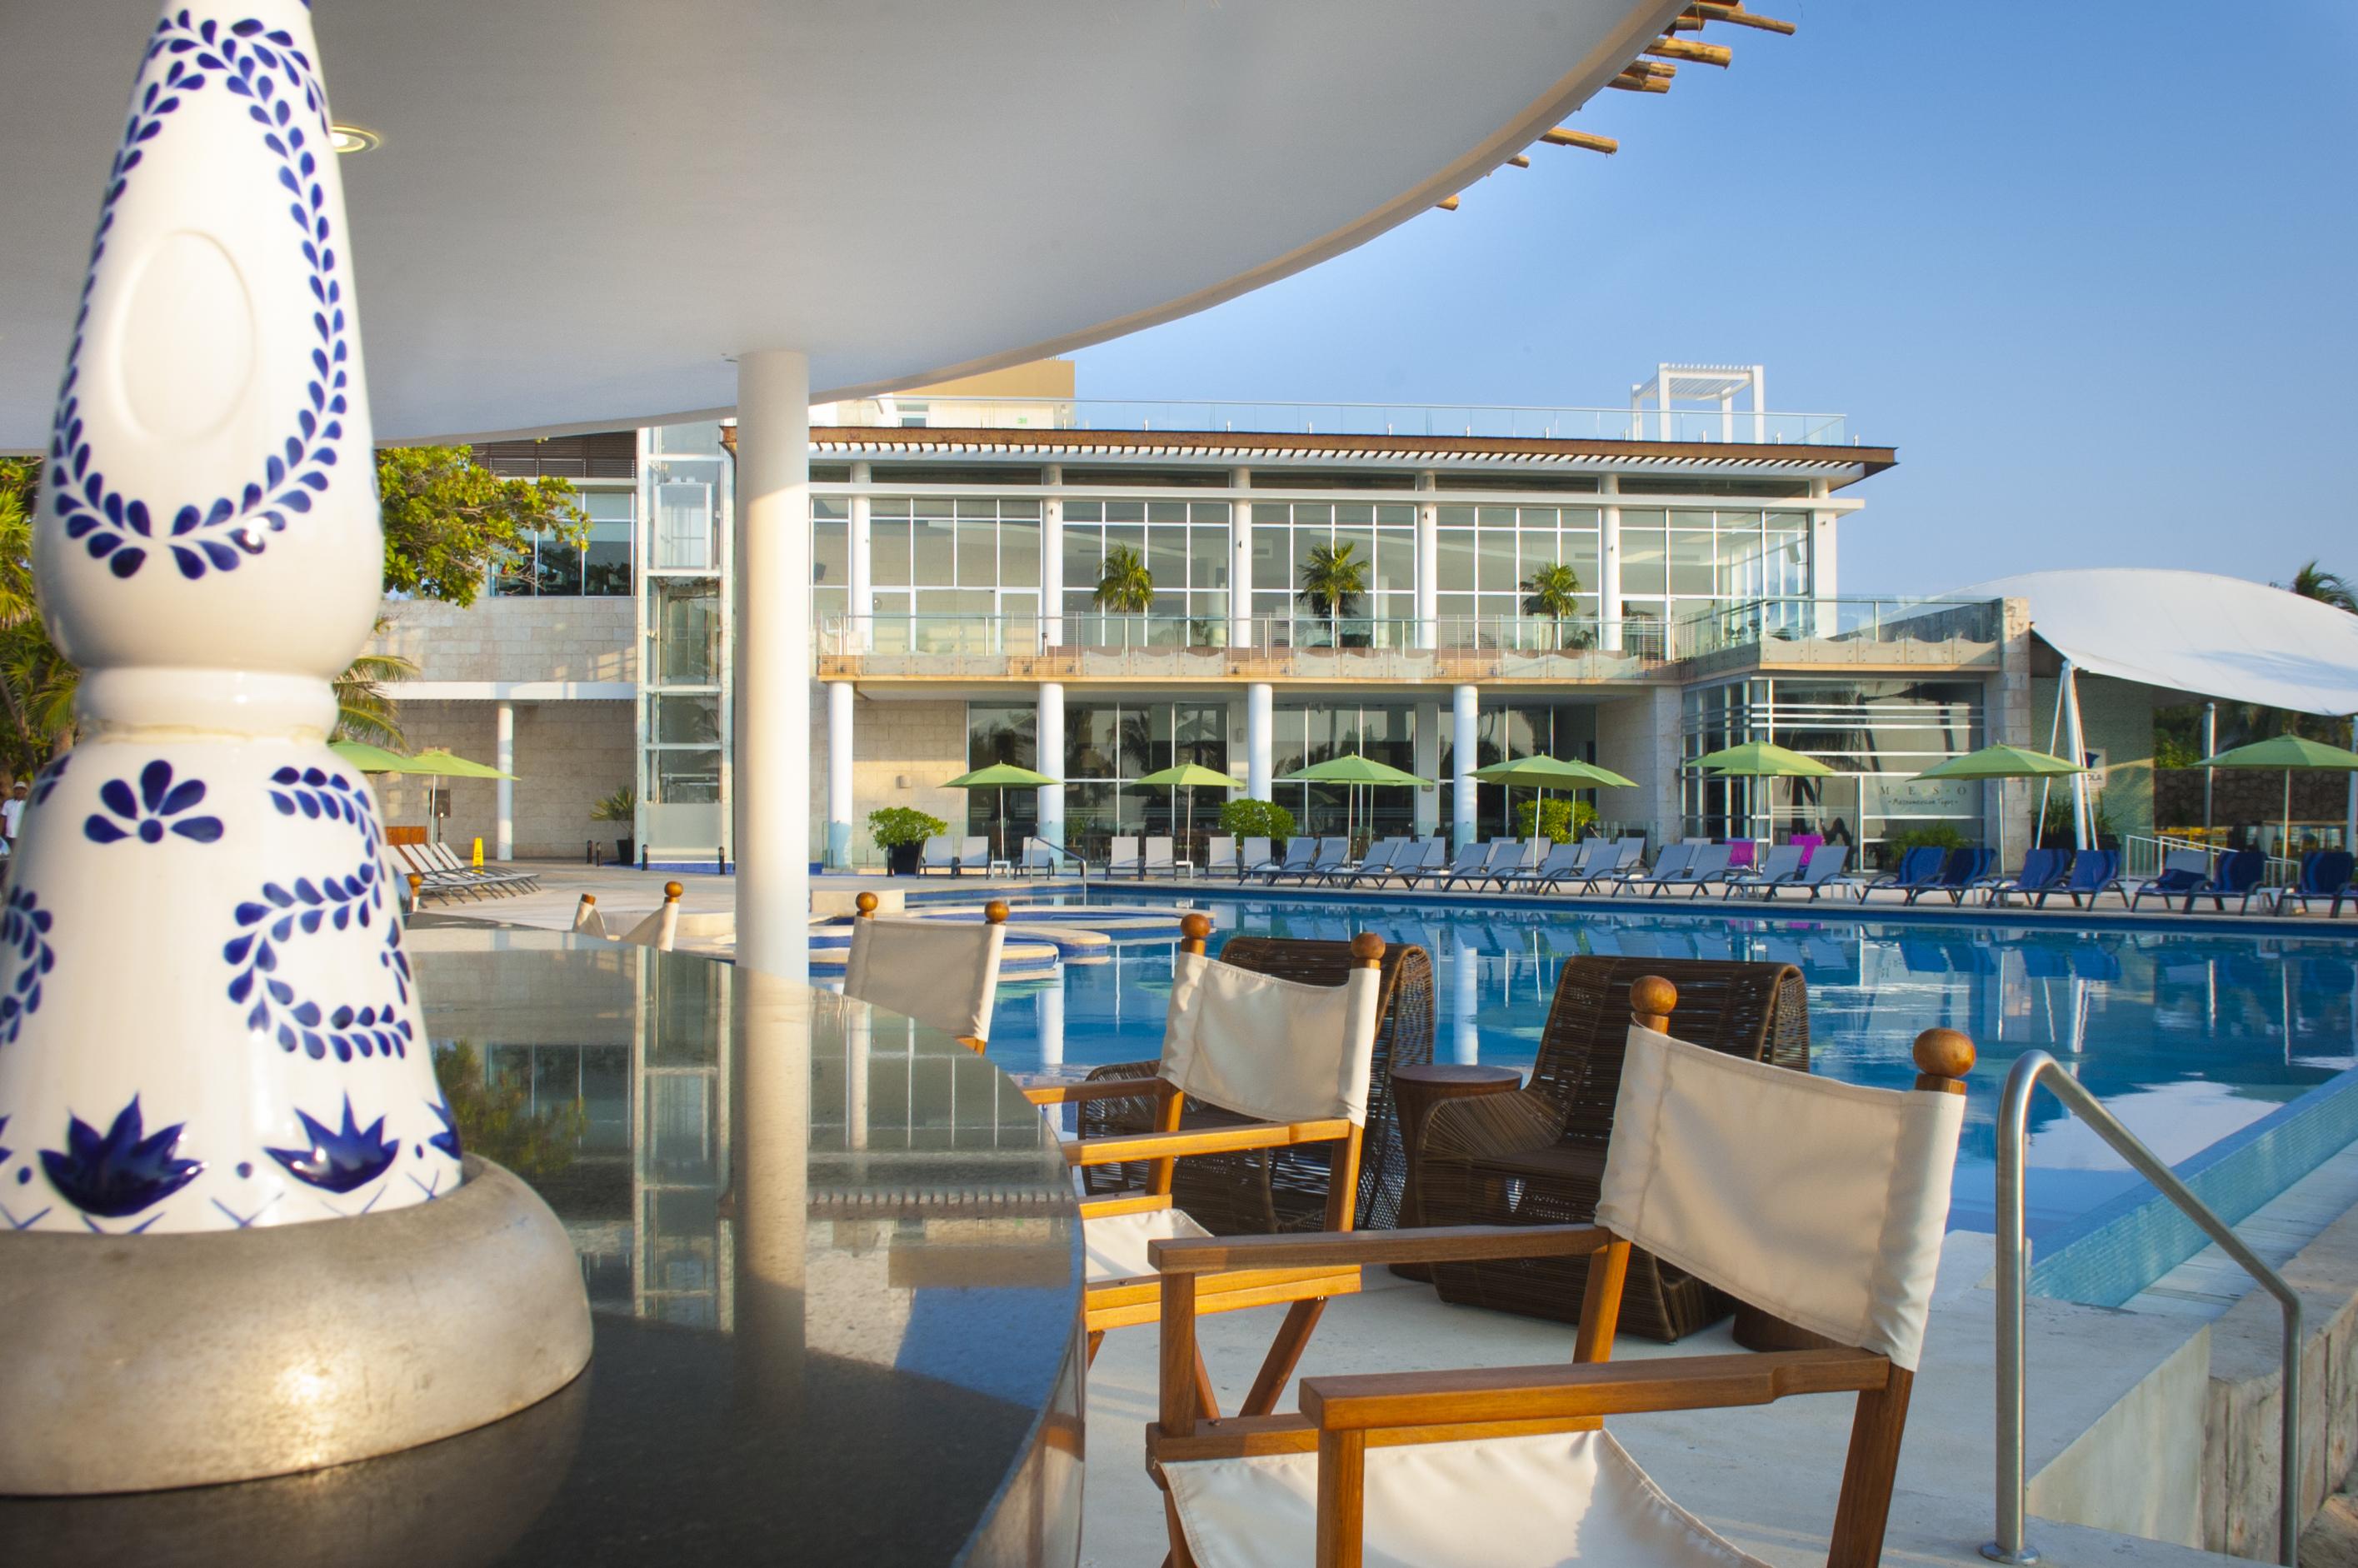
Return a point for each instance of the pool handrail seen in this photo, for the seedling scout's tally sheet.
(2033, 1070)
(1055, 850)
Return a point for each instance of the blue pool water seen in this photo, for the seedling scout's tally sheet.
(2188, 1035)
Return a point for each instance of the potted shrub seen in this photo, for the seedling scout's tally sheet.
(622, 807)
(1249, 818)
(901, 831)
(1561, 822)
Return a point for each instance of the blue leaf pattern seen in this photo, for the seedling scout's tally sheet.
(159, 807)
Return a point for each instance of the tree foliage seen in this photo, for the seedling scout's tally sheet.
(1249, 818)
(1550, 592)
(449, 522)
(2326, 588)
(1332, 579)
(1125, 587)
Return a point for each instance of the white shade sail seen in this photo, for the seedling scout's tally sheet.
(2194, 632)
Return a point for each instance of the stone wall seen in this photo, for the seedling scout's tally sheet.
(569, 755)
(2009, 718)
(2242, 797)
(921, 742)
(1638, 737)
(515, 639)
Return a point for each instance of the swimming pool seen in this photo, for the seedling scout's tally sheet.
(2189, 1036)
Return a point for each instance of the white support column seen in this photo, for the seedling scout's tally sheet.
(1428, 567)
(1662, 402)
(1824, 588)
(2079, 753)
(1608, 583)
(1465, 715)
(1049, 730)
(771, 810)
(1727, 416)
(1760, 403)
(1260, 721)
(1425, 762)
(1052, 601)
(839, 697)
(863, 567)
(1466, 1005)
(2211, 749)
(1240, 618)
(503, 831)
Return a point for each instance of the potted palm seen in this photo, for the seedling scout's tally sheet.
(1332, 579)
(1125, 587)
(1553, 594)
(901, 831)
(622, 807)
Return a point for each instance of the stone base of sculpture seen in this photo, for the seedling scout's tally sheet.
(135, 1363)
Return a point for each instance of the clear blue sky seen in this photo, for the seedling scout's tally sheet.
(2093, 269)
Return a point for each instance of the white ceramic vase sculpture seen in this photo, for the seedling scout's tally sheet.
(206, 1018)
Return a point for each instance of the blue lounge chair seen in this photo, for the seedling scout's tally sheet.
(2042, 872)
(1823, 869)
(2094, 873)
(1563, 860)
(1670, 863)
(1254, 856)
(1918, 869)
(2182, 871)
(1499, 856)
(1782, 868)
(1376, 863)
(1424, 858)
(2324, 873)
(1627, 861)
(1959, 871)
(1708, 864)
(1466, 864)
(1326, 860)
(1300, 851)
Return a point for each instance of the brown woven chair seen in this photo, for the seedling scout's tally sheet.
(1536, 1157)
(1262, 1192)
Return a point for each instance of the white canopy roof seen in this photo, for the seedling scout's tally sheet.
(2194, 632)
(581, 209)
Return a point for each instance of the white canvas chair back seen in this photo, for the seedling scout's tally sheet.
(1124, 851)
(936, 851)
(974, 849)
(1256, 853)
(1834, 1223)
(1158, 855)
(1220, 852)
(943, 973)
(1274, 1049)
(1038, 856)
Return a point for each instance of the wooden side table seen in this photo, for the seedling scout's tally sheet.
(1417, 1088)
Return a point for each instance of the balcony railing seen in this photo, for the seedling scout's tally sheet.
(1393, 419)
(1952, 631)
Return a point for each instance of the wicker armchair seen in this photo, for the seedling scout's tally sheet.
(1261, 1192)
(1536, 1157)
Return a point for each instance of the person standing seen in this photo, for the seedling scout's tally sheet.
(11, 814)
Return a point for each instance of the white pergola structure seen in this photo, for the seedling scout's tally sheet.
(585, 214)
(1709, 384)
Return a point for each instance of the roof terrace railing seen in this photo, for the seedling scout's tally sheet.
(1845, 631)
(1389, 419)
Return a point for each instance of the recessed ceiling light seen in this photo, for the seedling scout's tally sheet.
(353, 138)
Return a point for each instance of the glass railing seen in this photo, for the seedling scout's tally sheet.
(1843, 630)
(1394, 419)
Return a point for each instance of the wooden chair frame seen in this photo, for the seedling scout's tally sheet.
(993, 913)
(1342, 1417)
(1307, 1285)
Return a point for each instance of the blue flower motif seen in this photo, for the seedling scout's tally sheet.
(5, 1151)
(24, 957)
(446, 1140)
(46, 781)
(116, 1176)
(340, 1159)
(262, 66)
(147, 812)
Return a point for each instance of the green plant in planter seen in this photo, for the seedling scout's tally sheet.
(1249, 818)
(1935, 835)
(899, 824)
(622, 806)
(2055, 827)
(1561, 820)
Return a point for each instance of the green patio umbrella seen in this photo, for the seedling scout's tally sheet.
(2287, 751)
(1545, 773)
(1191, 777)
(1353, 770)
(2002, 763)
(367, 758)
(1762, 760)
(1002, 777)
(440, 765)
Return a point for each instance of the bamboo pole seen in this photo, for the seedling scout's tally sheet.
(1739, 17)
(1691, 49)
(1564, 137)
(1629, 83)
(1447, 204)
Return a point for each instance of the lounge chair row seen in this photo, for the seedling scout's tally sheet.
(441, 874)
(957, 856)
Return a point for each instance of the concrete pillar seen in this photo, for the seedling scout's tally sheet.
(2211, 749)
(863, 568)
(1241, 620)
(1049, 728)
(1465, 715)
(1425, 741)
(1760, 403)
(1608, 575)
(771, 807)
(1466, 1002)
(1052, 604)
(1823, 587)
(503, 831)
(838, 775)
(1428, 567)
(1260, 723)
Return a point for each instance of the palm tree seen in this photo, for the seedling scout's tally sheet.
(2326, 588)
(1125, 587)
(1552, 592)
(1331, 578)
(364, 710)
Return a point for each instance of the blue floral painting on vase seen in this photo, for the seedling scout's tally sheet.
(159, 806)
(119, 1173)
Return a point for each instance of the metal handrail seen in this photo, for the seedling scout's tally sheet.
(2031, 1070)
(1050, 845)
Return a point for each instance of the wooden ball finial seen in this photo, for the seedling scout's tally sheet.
(1944, 1053)
(672, 892)
(590, 899)
(865, 903)
(1368, 949)
(1195, 927)
(995, 912)
(1650, 996)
